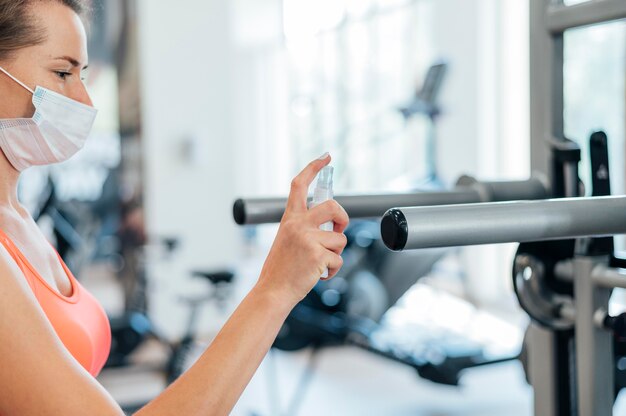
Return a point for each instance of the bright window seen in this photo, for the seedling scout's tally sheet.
(352, 64)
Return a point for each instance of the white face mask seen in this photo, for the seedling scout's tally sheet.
(57, 130)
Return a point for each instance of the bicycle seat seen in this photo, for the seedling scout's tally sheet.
(220, 276)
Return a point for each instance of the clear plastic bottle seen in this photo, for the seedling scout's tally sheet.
(323, 192)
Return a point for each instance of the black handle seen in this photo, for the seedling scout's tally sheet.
(601, 185)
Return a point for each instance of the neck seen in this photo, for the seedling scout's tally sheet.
(9, 178)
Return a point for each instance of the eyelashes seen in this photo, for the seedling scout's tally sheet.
(63, 74)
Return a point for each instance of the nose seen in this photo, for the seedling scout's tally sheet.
(81, 95)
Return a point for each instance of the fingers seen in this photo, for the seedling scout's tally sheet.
(300, 184)
(334, 263)
(330, 211)
(332, 241)
(334, 244)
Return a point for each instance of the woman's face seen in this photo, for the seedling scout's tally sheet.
(56, 63)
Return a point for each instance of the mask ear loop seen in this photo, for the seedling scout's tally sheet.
(17, 80)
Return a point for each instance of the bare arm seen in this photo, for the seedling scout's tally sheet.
(298, 257)
(40, 377)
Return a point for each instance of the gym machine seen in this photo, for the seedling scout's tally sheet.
(564, 269)
(562, 276)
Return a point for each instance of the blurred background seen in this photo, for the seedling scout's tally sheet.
(205, 101)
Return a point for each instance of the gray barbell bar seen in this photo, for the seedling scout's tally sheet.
(269, 210)
(493, 223)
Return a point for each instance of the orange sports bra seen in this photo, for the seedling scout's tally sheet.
(79, 320)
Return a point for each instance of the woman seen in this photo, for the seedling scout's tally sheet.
(54, 336)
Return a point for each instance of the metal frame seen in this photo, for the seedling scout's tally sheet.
(559, 18)
(574, 367)
(548, 21)
(594, 345)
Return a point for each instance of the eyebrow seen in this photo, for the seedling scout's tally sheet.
(72, 61)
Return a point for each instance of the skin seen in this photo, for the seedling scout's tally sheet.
(39, 376)
(41, 65)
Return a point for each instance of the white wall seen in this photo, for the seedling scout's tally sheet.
(188, 151)
(187, 136)
(208, 136)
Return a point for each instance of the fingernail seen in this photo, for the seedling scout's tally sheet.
(324, 156)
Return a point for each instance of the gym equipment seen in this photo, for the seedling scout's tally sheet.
(543, 277)
(471, 224)
(550, 373)
(570, 359)
(250, 211)
(567, 343)
(425, 99)
(179, 358)
(134, 327)
(424, 102)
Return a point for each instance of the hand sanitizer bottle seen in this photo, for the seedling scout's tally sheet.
(323, 192)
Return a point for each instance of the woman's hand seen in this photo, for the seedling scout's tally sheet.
(301, 251)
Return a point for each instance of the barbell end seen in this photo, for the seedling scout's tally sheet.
(394, 229)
